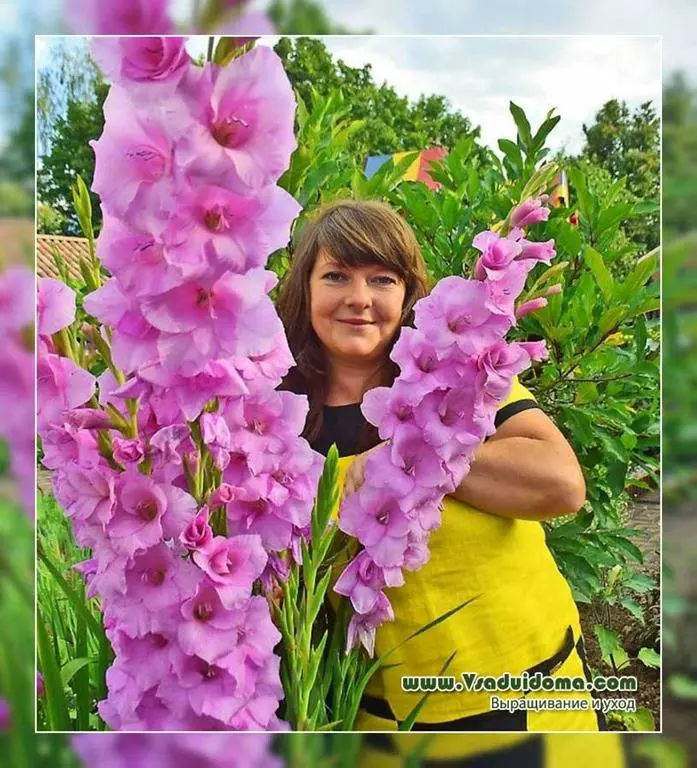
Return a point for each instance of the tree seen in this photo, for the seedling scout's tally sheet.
(626, 143)
(679, 156)
(304, 17)
(70, 156)
(392, 123)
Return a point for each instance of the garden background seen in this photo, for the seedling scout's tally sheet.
(680, 190)
(600, 384)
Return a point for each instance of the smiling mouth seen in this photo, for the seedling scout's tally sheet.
(356, 322)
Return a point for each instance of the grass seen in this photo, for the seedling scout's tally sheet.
(73, 651)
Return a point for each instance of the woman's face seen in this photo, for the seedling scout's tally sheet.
(355, 311)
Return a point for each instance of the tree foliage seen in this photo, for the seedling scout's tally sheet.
(626, 143)
(391, 122)
(70, 156)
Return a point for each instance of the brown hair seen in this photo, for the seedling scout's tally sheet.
(355, 233)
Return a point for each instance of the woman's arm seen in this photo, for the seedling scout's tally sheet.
(525, 470)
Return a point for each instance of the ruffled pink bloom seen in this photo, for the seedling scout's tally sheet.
(259, 516)
(457, 314)
(232, 564)
(362, 627)
(205, 628)
(273, 365)
(422, 367)
(444, 417)
(133, 161)
(129, 17)
(206, 319)
(138, 61)
(218, 378)
(61, 386)
(56, 306)
(543, 251)
(147, 513)
(198, 534)
(233, 230)
(87, 418)
(502, 294)
(64, 445)
(128, 451)
(17, 301)
(139, 260)
(362, 580)
(530, 211)
(245, 111)
(389, 407)
(87, 494)
(497, 254)
(375, 517)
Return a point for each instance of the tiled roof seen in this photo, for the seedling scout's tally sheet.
(69, 248)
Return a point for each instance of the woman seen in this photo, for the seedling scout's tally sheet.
(356, 274)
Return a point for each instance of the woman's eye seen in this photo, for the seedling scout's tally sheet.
(333, 277)
(385, 280)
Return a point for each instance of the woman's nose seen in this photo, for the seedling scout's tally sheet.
(359, 294)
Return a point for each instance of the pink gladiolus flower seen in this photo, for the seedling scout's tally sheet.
(362, 626)
(198, 534)
(362, 580)
(133, 161)
(87, 495)
(63, 445)
(206, 625)
(544, 251)
(235, 231)
(56, 306)
(168, 441)
(497, 366)
(232, 565)
(389, 407)
(139, 260)
(129, 17)
(457, 313)
(129, 61)
(273, 365)
(127, 451)
(16, 299)
(501, 294)
(218, 378)
(147, 513)
(530, 211)
(261, 517)
(214, 430)
(61, 385)
(207, 319)
(375, 518)
(497, 254)
(246, 113)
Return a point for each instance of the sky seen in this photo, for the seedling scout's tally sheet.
(675, 20)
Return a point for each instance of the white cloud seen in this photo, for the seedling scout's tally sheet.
(480, 75)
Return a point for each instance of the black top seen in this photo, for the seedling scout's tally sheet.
(344, 425)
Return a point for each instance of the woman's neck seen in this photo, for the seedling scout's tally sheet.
(347, 383)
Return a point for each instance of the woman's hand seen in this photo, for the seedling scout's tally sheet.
(355, 475)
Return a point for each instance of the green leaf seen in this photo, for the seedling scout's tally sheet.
(71, 667)
(640, 582)
(408, 722)
(522, 124)
(649, 658)
(641, 720)
(641, 273)
(610, 646)
(611, 318)
(601, 273)
(56, 704)
(682, 687)
(634, 608)
(544, 130)
(512, 151)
